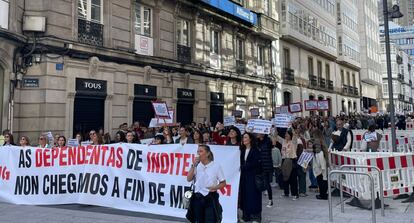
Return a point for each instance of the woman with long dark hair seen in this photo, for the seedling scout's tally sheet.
(8, 140)
(250, 196)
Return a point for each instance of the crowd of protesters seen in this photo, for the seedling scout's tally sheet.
(273, 156)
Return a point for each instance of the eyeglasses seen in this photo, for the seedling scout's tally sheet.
(92, 133)
(41, 138)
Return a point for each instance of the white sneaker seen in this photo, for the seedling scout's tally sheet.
(295, 198)
(270, 204)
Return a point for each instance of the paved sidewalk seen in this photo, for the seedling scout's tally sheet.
(304, 210)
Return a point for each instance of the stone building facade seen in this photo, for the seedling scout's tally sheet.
(98, 63)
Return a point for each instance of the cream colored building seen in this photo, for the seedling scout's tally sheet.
(319, 54)
(87, 64)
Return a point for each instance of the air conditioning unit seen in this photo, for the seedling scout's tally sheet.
(34, 23)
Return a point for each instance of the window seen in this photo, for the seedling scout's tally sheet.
(143, 20)
(348, 78)
(327, 72)
(353, 80)
(287, 98)
(310, 66)
(286, 57)
(239, 49)
(214, 48)
(319, 69)
(260, 55)
(4, 14)
(183, 33)
(342, 76)
(267, 7)
(90, 10)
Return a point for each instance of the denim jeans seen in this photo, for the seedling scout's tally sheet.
(312, 178)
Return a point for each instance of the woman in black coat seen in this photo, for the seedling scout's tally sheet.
(250, 197)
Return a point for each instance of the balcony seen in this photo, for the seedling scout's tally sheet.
(411, 100)
(322, 83)
(183, 54)
(288, 75)
(267, 26)
(410, 82)
(240, 67)
(345, 89)
(356, 91)
(313, 81)
(90, 32)
(330, 85)
(401, 97)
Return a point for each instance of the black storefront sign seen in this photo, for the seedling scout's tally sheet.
(89, 106)
(216, 107)
(142, 107)
(185, 106)
(90, 87)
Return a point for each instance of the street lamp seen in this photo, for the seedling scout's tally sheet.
(392, 14)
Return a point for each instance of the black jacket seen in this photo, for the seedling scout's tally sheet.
(265, 147)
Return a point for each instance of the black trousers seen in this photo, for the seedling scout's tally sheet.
(268, 177)
(323, 186)
(203, 208)
(292, 182)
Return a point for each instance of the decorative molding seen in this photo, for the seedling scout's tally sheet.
(147, 73)
(93, 66)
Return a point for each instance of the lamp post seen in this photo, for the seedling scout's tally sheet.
(392, 14)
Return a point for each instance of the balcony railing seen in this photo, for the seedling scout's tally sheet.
(267, 25)
(330, 85)
(288, 75)
(183, 54)
(411, 100)
(345, 89)
(401, 97)
(410, 82)
(240, 67)
(322, 83)
(356, 91)
(90, 32)
(313, 81)
(400, 77)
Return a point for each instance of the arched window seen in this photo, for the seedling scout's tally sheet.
(287, 98)
(321, 113)
(329, 112)
(311, 97)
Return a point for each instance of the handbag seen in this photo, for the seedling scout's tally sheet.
(187, 196)
(260, 182)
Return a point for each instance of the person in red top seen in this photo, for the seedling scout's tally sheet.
(232, 138)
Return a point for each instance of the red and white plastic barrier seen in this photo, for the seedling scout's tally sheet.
(397, 170)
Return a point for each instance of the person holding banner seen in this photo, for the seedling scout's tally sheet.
(61, 141)
(184, 136)
(43, 142)
(209, 178)
(132, 138)
(197, 137)
(24, 141)
(168, 136)
(95, 137)
(8, 140)
(250, 196)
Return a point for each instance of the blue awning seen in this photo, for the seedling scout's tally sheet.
(233, 9)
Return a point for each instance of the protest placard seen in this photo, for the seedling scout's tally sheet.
(254, 112)
(161, 109)
(73, 142)
(304, 159)
(311, 105)
(229, 120)
(370, 136)
(237, 113)
(258, 126)
(323, 105)
(295, 107)
(283, 120)
(241, 127)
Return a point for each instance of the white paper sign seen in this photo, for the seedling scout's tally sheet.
(311, 105)
(259, 126)
(161, 109)
(85, 143)
(295, 107)
(73, 142)
(323, 105)
(283, 120)
(369, 137)
(241, 127)
(229, 121)
(158, 122)
(304, 159)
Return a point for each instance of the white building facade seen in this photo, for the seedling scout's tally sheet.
(319, 54)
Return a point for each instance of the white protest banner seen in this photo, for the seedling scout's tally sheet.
(147, 141)
(241, 127)
(304, 159)
(323, 105)
(73, 142)
(229, 121)
(283, 120)
(259, 126)
(132, 177)
(311, 105)
(295, 107)
(158, 122)
(160, 109)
